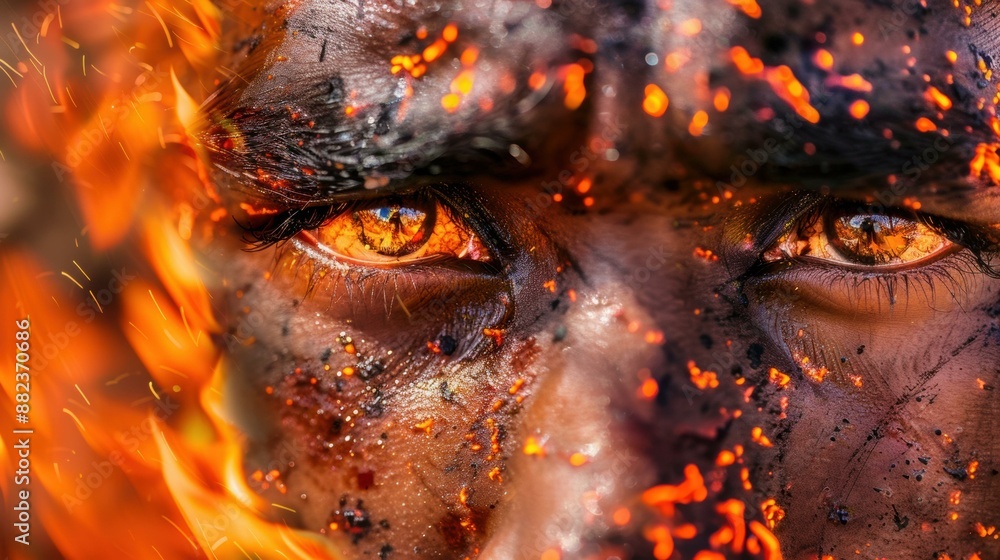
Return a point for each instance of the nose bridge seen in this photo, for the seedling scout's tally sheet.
(582, 451)
(577, 459)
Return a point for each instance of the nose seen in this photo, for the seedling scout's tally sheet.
(591, 431)
(580, 458)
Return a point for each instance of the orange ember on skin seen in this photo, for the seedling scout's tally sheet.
(692, 489)
(859, 109)
(757, 435)
(649, 388)
(823, 59)
(656, 102)
(790, 89)
(533, 447)
(690, 27)
(721, 100)
(858, 39)
(698, 123)
(935, 96)
(702, 379)
(744, 62)
(925, 125)
(749, 7)
(778, 378)
(574, 87)
(854, 82)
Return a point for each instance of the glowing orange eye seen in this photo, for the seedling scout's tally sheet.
(873, 240)
(400, 230)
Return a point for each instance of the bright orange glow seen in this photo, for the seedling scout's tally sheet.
(773, 513)
(790, 89)
(690, 27)
(768, 542)
(853, 82)
(721, 99)
(574, 87)
(935, 96)
(655, 102)
(926, 125)
(823, 59)
(778, 378)
(698, 123)
(952, 56)
(692, 489)
(757, 435)
(649, 388)
(435, 50)
(986, 161)
(749, 7)
(451, 102)
(450, 33)
(858, 39)
(725, 458)
(621, 516)
(533, 447)
(859, 109)
(702, 379)
(744, 62)
(536, 80)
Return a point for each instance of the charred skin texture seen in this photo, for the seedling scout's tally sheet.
(435, 411)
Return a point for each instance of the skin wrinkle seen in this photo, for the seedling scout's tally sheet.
(564, 334)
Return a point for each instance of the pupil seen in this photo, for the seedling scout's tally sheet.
(394, 230)
(873, 239)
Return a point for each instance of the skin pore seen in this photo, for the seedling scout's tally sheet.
(597, 360)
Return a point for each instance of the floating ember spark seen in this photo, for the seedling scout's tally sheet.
(655, 102)
(749, 7)
(702, 379)
(859, 109)
(778, 378)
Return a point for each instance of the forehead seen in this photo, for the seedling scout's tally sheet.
(357, 91)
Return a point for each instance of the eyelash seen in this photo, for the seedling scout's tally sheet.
(978, 254)
(279, 228)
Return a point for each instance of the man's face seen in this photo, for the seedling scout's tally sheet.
(588, 279)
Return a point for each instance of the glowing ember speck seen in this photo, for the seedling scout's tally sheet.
(823, 59)
(702, 379)
(925, 125)
(533, 447)
(649, 388)
(859, 109)
(935, 96)
(698, 123)
(749, 7)
(656, 102)
(778, 378)
(721, 99)
(757, 435)
(690, 27)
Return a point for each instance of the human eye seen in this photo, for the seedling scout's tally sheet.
(851, 256)
(387, 232)
(859, 237)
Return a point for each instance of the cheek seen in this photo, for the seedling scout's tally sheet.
(880, 420)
